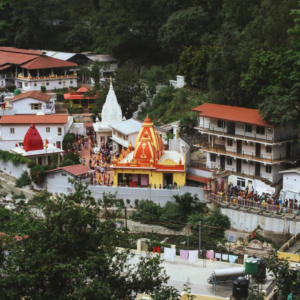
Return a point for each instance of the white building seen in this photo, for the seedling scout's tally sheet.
(57, 180)
(127, 131)
(51, 127)
(290, 184)
(31, 69)
(242, 142)
(111, 114)
(32, 102)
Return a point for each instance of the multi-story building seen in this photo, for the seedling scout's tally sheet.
(242, 142)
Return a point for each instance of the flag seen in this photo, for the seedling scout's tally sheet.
(46, 143)
(253, 234)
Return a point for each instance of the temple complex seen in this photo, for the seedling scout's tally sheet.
(111, 114)
(149, 164)
(35, 149)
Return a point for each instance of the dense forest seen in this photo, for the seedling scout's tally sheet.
(247, 52)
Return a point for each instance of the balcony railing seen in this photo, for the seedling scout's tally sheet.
(267, 158)
(51, 77)
(249, 136)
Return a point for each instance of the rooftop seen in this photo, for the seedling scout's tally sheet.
(47, 62)
(293, 170)
(14, 58)
(102, 57)
(33, 94)
(75, 170)
(232, 114)
(131, 126)
(24, 51)
(36, 119)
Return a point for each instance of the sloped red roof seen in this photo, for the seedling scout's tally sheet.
(17, 50)
(197, 178)
(36, 119)
(75, 170)
(4, 67)
(15, 58)
(83, 89)
(33, 94)
(232, 114)
(47, 62)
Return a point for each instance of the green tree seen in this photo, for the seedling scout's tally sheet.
(71, 254)
(183, 28)
(128, 89)
(154, 76)
(193, 64)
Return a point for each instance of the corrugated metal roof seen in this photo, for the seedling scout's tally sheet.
(60, 55)
(102, 57)
(131, 126)
(232, 114)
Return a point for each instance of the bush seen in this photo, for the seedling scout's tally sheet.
(11, 88)
(43, 89)
(23, 180)
(148, 212)
(69, 160)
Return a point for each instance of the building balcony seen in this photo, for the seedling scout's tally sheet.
(263, 158)
(267, 138)
(43, 78)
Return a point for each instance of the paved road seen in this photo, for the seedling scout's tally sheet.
(179, 272)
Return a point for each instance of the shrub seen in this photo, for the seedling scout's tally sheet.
(11, 88)
(66, 162)
(43, 89)
(23, 180)
(72, 157)
(68, 139)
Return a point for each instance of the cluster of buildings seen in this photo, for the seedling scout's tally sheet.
(242, 149)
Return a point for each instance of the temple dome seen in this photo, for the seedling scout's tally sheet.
(32, 140)
(145, 149)
(111, 111)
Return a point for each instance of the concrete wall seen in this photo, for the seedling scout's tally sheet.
(15, 171)
(248, 222)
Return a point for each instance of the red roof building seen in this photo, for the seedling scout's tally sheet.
(32, 94)
(46, 62)
(232, 114)
(75, 170)
(79, 98)
(36, 119)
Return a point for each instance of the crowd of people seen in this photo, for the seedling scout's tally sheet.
(262, 201)
(100, 158)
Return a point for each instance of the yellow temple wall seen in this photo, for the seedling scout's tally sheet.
(156, 178)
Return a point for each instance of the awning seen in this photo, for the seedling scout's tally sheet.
(197, 178)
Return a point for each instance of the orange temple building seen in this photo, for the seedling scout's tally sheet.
(149, 164)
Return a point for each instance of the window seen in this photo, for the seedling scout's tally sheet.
(58, 145)
(269, 149)
(248, 128)
(47, 129)
(229, 143)
(221, 124)
(71, 82)
(25, 84)
(35, 84)
(213, 157)
(12, 130)
(268, 169)
(36, 106)
(245, 162)
(63, 174)
(223, 138)
(59, 131)
(241, 182)
(229, 161)
(47, 83)
(246, 143)
(59, 82)
(251, 143)
(260, 130)
(20, 144)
